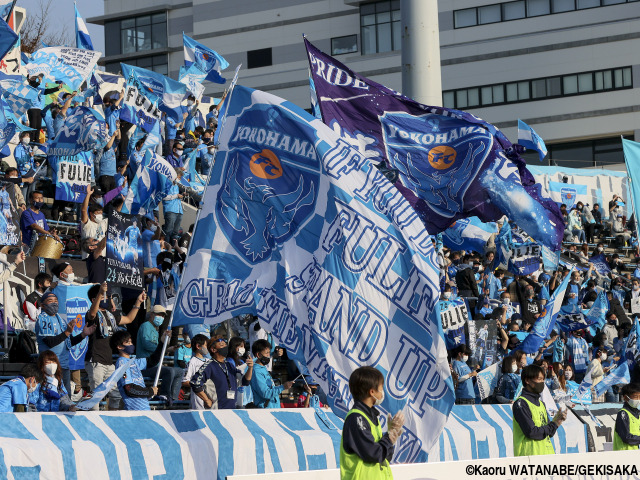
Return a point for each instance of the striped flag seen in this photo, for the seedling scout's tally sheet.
(528, 138)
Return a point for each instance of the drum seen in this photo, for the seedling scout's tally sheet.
(47, 247)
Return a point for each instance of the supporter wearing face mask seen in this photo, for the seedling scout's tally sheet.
(33, 221)
(237, 356)
(265, 393)
(94, 222)
(200, 355)
(509, 383)
(571, 296)
(216, 383)
(465, 394)
(11, 175)
(632, 298)
(598, 371)
(447, 295)
(63, 273)
(532, 430)
(148, 335)
(175, 159)
(14, 394)
(466, 281)
(578, 354)
(51, 395)
(505, 299)
(627, 431)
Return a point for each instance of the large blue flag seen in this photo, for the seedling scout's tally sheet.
(572, 317)
(139, 106)
(158, 88)
(19, 97)
(8, 38)
(73, 175)
(301, 230)
(469, 234)
(83, 40)
(454, 314)
(600, 263)
(7, 128)
(617, 376)
(74, 304)
(151, 184)
(208, 61)
(84, 130)
(449, 164)
(520, 258)
(631, 351)
(632, 160)
(546, 321)
(71, 65)
(528, 138)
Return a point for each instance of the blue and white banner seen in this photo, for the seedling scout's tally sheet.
(124, 252)
(210, 62)
(70, 65)
(176, 445)
(568, 193)
(618, 376)
(156, 163)
(74, 304)
(632, 160)
(518, 258)
(454, 314)
(20, 97)
(596, 315)
(546, 321)
(7, 128)
(83, 39)
(631, 351)
(583, 393)
(73, 176)
(193, 77)
(84, 130)
(600, 263)
(470, 234)
(137, 108)
(8, 38)
(487, 380)
(528, 138)
(105, 387)
(158, 88)
(146, 191)
(301, 230)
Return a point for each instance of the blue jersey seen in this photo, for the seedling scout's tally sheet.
(47, 398)
(133, 376)
(193, 329)
(13, 392)
(48, 326)
(465, 389)
(24, 160)
(182, 353)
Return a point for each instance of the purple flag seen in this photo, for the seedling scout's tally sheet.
(449, 164)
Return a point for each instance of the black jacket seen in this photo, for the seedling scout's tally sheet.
(466, 282)
(522, 415)
(622, 425)
(357, 437)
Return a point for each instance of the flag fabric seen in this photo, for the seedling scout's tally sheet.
(137, 107)
(73, 176)
(617, 376)
(567, 193)
(632, 160)
(583, 393)
(73, 301)
(105, 387)
(210, 62)
(521, 258)
(595, 317)
(546, 321)
(146, 191)
(167, 92)
(5, 9)
(84, 130)
(469, 234)
(571, 317)
(301, 230)
(193, 77)
(7, 128)
(453, 314)
(71, 65)
(20, 97)
(83, 40)
(315, 108)
(600, 263)
(8, 38)
(487, 380)
(528, 138)
(631, 352)
(450, 164)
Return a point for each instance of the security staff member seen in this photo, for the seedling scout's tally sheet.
(627, 432)
(532, 430)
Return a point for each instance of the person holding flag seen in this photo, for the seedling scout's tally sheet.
(532, 430)
(627, 432)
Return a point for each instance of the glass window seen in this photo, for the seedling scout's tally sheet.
(380, 27)
(128, 39)
(143, 37)
(342, 45)
(626, 77)
(461, 99)
(489, 14)
(538, 7)
(559, 6)
(144, 20)
(473, 97)
(618, 78)
(159, 35)
(259, 58)
(612, 2)
(585, 82)
(588, 4)
(465, 18)
(112, 38)
(513, 10)
(523, 91)
(512, 92)
(570, 84)
(554, 87)
(159, 18)
(368, 39)
(539, 88)
(397, 35)
(486, 94)
(498, 94)
(448, 100)
(576, 154)
(141, 33)
(384, 37)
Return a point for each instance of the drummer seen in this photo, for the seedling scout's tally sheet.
(33, 221)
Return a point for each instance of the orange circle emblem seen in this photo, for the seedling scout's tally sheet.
(442, 157)
(266, 165)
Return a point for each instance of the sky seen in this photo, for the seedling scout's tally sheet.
(63, 17)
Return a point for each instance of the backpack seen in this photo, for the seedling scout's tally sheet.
(24, 346)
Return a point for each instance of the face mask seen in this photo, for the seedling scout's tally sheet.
(50, 309)
(264, 360)
(50, 368)
(241, 351)
(514, 368)
(506, 301)
(636, 288)
(38, 205)
(212, 151)
(379, 400)
(157, 321)
(32, 389)
(224, 351)
(70, 277)
(537, 387)
(613, 321)
(25, 141)
(189, 102)
(99, 218)
(447, 295)
(599, 249)
(203, 351)
(633, 403)
(129, 349)
(179, 152)
(568, 375)
(153, 228)
(465, 358)
(603, 357)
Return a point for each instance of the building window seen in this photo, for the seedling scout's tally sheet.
(587, 153)
(342, 45)
(136, 34)
(156, 63)
(259, 58)
(539, 88)
(380, 27)
(514, 10)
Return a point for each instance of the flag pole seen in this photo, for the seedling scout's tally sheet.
(184, 267)
(633, 200)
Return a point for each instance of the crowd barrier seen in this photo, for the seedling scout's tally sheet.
(194, 444)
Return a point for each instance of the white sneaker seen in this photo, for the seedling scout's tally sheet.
(76, 397)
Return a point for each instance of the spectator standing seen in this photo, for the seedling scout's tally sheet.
(509, 383)
(33, 221)
(265, 392)
(465, 394)
(198, 359)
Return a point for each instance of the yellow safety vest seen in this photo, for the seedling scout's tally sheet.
(352, 467)
(524, 446)
(634, 429)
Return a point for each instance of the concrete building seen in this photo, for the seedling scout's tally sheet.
(569, 68)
